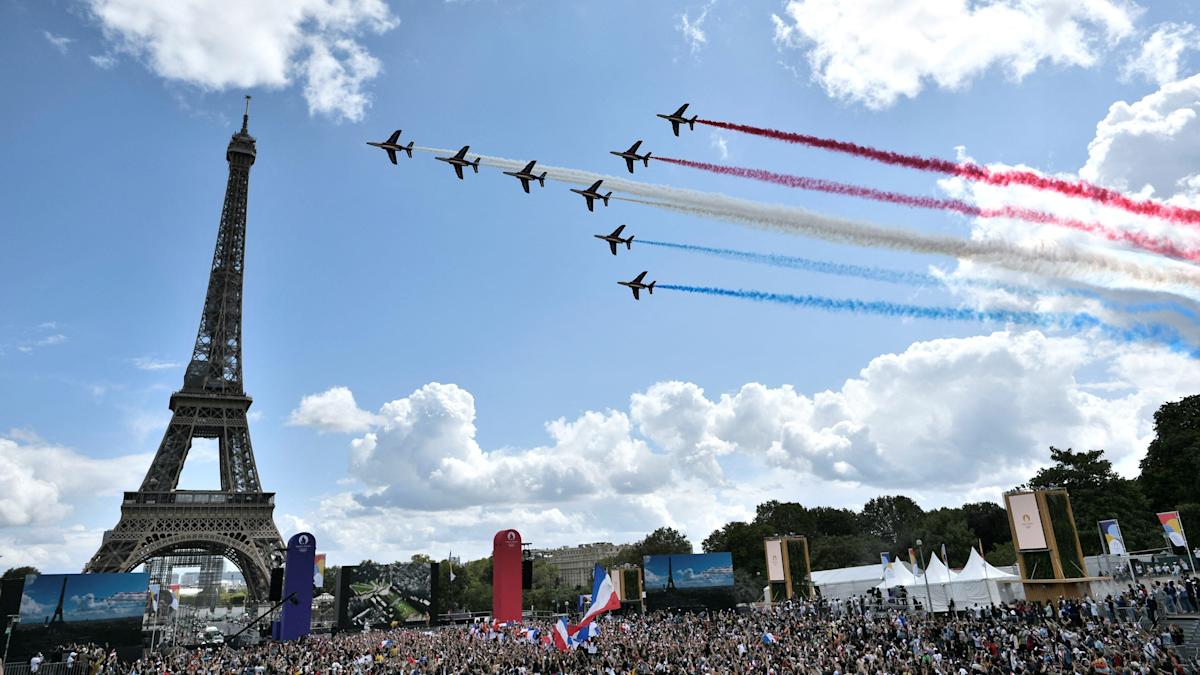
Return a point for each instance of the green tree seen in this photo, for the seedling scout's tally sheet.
(662, 541)
(892, 518)
(1002, 554)
(1172, 462)
(988, 521)
(744, 541)
(1098, 493)
(19, 572)
(843, 550)
(785, 518)
(833, 522)
(949, 527)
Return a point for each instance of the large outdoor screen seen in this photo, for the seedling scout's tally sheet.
(375, 595)
(64, 609)
(703, 580)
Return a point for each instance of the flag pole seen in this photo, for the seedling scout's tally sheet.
(1191, 558)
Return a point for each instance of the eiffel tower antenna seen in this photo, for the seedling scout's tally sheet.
(236, 521)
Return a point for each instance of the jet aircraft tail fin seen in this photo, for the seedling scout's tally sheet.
(692, 122)
(542, 179)
(408, 148)
(629, 243)
(650, 287)
(646, 160)
(605, 198)
(475, 164)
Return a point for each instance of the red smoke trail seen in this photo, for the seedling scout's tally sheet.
(979, 173)
(1142, 241)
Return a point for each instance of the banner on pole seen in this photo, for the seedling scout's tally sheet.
(1112, 537)
(319, 570)
(1173, 527)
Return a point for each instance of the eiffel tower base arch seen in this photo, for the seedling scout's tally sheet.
(238, 526)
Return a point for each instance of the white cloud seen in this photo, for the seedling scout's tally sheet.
(221, 44)
(721, 145)
(1158, 60)
(1151, 145)
(332, 410)
(38, 480)
(104, 61)
(151, 363)
(48, 341)
(943, 420)
(875, 51)
(60, 42)
(423, 455)
(693, 30)
(336, 72)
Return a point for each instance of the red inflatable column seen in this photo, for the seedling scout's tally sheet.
(506, 576)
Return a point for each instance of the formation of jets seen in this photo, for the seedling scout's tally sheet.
(526, 175)
(391, 145)
(615, 238)
(459, 160)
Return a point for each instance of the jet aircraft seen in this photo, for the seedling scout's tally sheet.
(525, 175)
(392, 146)
(459, 160)
(676, 118)
(637, 285)
(591, 194)
(630, 156)
(615, 238)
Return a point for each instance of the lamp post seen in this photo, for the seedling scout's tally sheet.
(925, 573)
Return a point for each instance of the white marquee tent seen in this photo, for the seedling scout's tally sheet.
(847, 581)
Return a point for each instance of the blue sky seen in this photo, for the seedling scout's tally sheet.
(561, 407)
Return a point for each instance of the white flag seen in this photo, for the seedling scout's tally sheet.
(450, 562)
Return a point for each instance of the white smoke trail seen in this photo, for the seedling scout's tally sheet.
(1055, 263)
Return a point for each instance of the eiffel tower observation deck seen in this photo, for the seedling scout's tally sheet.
(237, 521)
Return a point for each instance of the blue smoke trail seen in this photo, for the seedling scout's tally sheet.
(915, 278)
(1073, 322)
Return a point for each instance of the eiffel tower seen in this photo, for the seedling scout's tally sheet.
(236, 521)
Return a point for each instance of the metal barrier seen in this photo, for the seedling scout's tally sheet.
(76, 668)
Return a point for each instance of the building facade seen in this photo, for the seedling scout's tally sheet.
(575, 563)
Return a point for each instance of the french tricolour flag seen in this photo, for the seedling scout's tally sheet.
(604, 598)
(769, 639)
(562, 639)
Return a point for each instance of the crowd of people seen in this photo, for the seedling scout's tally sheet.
(823, 637)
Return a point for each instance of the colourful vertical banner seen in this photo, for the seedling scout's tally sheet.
(1112, 537)
(885, 559)
(319, 570)
(1173, 527)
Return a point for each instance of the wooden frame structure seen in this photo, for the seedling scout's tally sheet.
(787, 567)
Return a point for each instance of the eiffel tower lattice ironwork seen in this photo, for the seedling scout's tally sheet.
(237, 520)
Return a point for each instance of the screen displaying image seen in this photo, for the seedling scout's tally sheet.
(65, 609)
(374, 594)
(702, 580)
